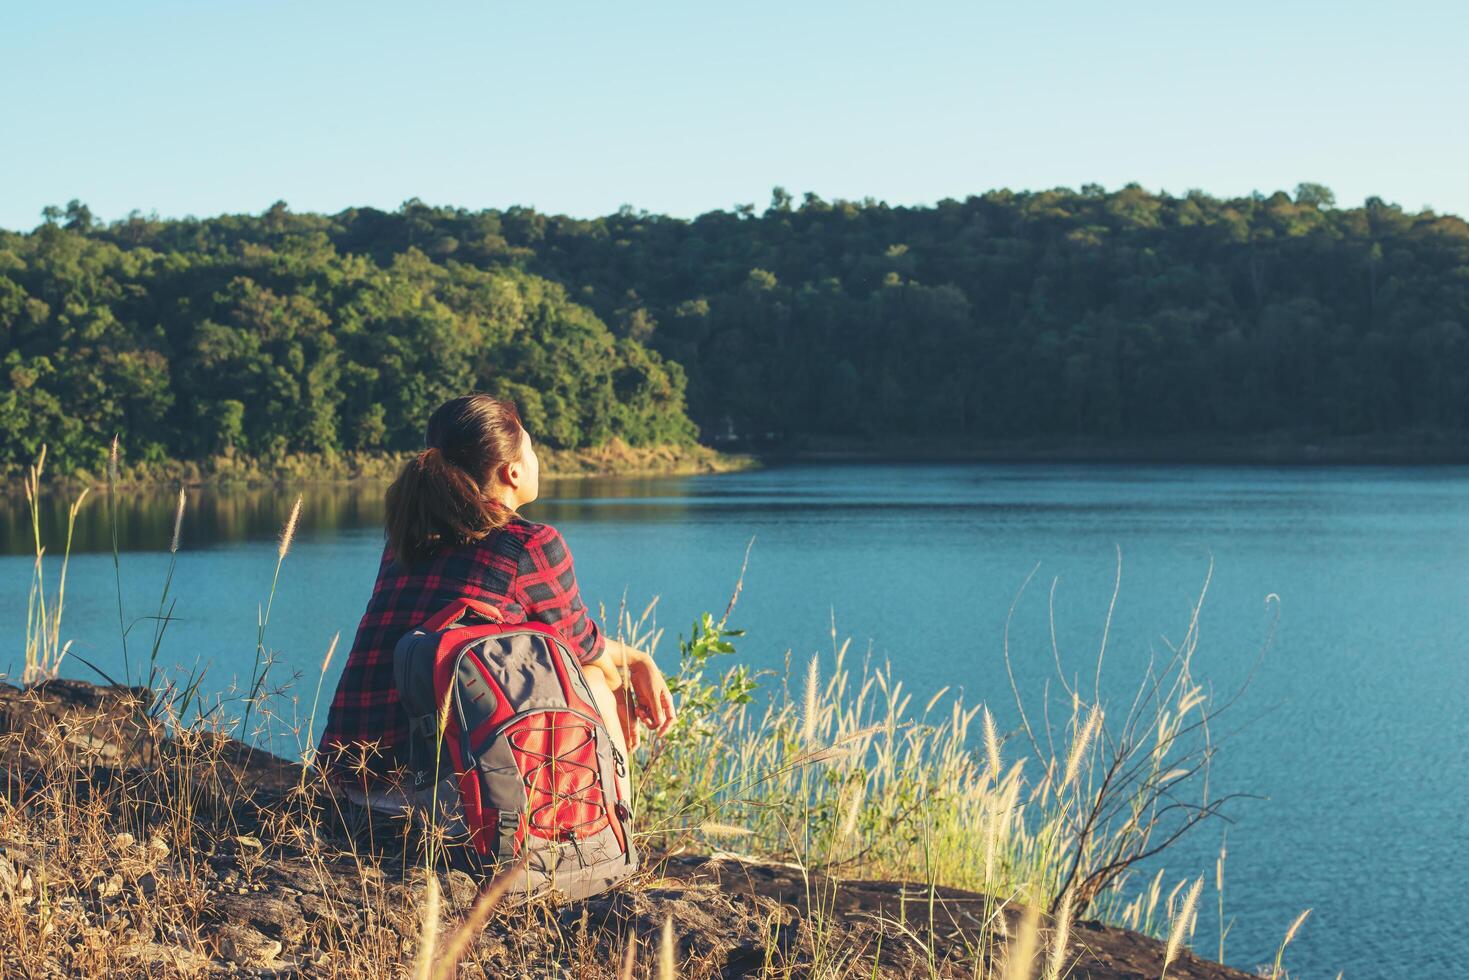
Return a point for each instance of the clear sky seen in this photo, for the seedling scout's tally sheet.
(205, 107)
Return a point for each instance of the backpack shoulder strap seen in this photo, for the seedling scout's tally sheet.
(450, 615)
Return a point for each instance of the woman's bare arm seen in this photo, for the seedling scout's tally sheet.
(654, 702)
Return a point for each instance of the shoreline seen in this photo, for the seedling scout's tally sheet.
(615, 458)
(1264, 451)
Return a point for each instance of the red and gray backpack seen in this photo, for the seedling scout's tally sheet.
(524, 763)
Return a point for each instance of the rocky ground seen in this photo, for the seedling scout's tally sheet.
(235, 870)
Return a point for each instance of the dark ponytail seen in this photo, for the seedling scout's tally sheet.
(444, 494)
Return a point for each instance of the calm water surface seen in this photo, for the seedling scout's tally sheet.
(1354, 729)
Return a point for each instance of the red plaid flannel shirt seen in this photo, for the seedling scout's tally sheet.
(524, 568)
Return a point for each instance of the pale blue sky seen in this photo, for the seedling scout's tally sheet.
(208, 107)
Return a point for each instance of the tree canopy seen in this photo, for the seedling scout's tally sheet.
(293, 346)
(1090, 313)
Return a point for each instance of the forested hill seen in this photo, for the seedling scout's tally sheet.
(1092, 315)
(295, 346)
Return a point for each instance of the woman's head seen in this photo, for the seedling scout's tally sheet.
(476, 469)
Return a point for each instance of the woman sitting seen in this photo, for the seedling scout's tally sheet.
(454, 531)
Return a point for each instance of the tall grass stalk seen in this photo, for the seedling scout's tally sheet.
(165, 616)
(429, 935)
(1183, 924)
(934, 793)
(666, 968)
(309, 751)
(262, 662)
(1290, 934)
(1224, 927)
(122, 628)
(447, 962)
(1056, 963)
(1021, 950)
(44, 650)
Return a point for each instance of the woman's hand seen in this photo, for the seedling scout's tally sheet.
(626, 719)
(649, 699)
(654, 702)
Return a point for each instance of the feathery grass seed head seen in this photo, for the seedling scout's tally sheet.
(854, 810)
(991, 743)
(629, 957)
(289, 531)
(1183, 922)
(1275, 970)
(666, 969)
(714, 828)
(429, 930)
(809, 705)
(178, 523)
(1056, 967)
(1020, 951)
(1080, 744)
(331, 649)
(1295, 927)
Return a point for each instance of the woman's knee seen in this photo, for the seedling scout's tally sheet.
(607, 707)
(606, 702)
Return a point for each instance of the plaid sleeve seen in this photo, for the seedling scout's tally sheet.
(545, 585)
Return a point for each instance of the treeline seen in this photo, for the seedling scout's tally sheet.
(1074, 314)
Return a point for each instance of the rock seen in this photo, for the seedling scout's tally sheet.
(9, 880)
(461, 888)
(273, 915)
(165, 957)
(90, 743)
(248, 947)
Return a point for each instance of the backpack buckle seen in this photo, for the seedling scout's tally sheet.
(507, 823)
(423, 726)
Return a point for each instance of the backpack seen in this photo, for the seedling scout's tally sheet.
(525, 762)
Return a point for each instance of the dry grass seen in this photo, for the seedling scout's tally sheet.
(886, 791)
(43, 649)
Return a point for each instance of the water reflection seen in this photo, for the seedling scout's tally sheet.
(212, 517)
(221, 516)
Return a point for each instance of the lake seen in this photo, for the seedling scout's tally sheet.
(1354, 729)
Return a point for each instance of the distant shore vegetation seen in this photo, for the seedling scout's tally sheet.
(1086, 315)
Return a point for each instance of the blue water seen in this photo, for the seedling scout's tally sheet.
(1353, 729)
